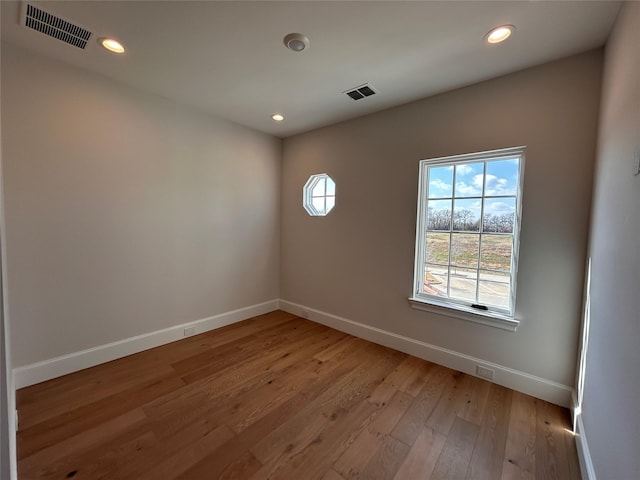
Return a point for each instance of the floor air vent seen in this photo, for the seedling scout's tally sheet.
(360, 92)
(54, 26)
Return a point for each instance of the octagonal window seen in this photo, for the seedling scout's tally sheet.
(319, 195)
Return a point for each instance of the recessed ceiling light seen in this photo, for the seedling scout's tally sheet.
(111, 44)
(277, 117)
(296, 42)
(499, 34)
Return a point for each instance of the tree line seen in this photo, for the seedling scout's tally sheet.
(466, 221)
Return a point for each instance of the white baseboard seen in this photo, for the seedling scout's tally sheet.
(56, 367)
(523, 382)
(584, 457)
(517, 380)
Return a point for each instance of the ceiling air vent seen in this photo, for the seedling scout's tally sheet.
(55, 27)
(362, 91)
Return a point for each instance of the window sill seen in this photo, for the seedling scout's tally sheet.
(491, 319)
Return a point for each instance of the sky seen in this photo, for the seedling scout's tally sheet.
(501, 178)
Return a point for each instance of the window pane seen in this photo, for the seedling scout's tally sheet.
(464, 250)
(435, 280)
(331, 202)
(318, 204)
(469, 179)
(331, 186)
(496, 252)
(499, 215)
(494, 289)
(466, 215)
(440, 181)
(439, 215)
(463, 284)
(318, 189)
(437, 248)
(502, 177)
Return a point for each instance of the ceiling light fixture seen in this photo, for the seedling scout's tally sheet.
(499, 34)
(277, 117)
(111, 44)
(296, 42)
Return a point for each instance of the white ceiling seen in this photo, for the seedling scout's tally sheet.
(228, 57)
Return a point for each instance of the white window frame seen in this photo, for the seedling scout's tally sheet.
(493, 316)
(307, 195)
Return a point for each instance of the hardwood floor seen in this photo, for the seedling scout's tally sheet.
(280, 397)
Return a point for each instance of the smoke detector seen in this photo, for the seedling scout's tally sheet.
(296, 42)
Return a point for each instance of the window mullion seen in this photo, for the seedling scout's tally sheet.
(453, 196)
(481, 229)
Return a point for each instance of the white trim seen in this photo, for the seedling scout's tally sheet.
(55, 367)
(575, 411)
(584, 457)
(475, 156)
(492, 319)
(521, 381)
(5, 349)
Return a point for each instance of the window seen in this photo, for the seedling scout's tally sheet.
(467, 235)
(319, 195)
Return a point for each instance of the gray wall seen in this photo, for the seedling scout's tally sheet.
(612, 390)
(126, 213)
(358, 261)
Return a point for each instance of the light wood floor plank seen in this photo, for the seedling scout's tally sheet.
(188, 454)
(453, 461)
(332, 475)
(414, 383)
(452, 402)
(358, 455)
(488, 454)
(414, 420)
(473, 411)
(520, 453)
(552, 423)
(392, 383)
(386, 460)
(244, 467)
(57, 429)
(422, 458)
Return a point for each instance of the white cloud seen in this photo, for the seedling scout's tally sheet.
(439, 184)
(468, 190)
(473, 185)
(464, 170)
(498, 208)
(498, 186)
(478, 179)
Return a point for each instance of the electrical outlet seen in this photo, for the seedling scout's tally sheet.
(188, 331)
(485, 372)
(304, 314)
